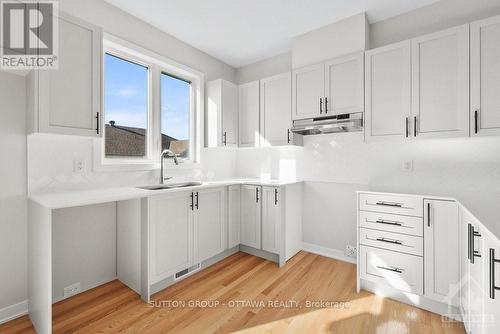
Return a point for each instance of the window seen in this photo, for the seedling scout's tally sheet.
(150, 103)
(175, 111)
(126, 108)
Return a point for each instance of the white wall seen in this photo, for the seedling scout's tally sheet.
(13, 226)
(265, 68)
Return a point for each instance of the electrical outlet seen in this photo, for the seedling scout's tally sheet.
(408, 165)
(72, 289)
(78, 166)
(350, 251)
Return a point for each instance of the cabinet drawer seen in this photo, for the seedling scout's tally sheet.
(391, 223)
(400, 205)
(392, 241)
(399, 271)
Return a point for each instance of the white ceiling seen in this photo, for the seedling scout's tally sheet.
(240, 32)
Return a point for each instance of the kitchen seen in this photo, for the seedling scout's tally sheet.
(370, 160)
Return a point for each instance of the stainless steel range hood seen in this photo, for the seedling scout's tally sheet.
(332, 124)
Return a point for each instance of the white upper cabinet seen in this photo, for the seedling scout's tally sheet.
(388, 92)
(248, 95)
(344, 79)
(275, 109)
(308, 91)
(68, 100)
(222, 113)
(485, 77)
(209, 224)
(440, 89)
(442, 250)
(251, 216)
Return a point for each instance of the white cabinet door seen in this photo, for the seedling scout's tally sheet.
(171, 234)
(251, 216)
(441, 250)
(485, 76)
(234, 198)
(271, 219)
(276, 109)
(248, 96)
(478, 291)
(70, 97)
(492, 276)
(209, 224)
(308, 91)
(388, 92)
(344, 79)
(440, 88)
(229, 114)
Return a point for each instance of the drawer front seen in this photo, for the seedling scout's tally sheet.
(399, 271)
(395, 204)
(392, 223)
(392, 241)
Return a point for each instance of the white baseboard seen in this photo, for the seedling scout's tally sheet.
(13, 311)
(328, 252)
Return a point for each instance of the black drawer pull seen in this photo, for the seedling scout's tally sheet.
(386, 222)
(396, 242)
(493, 261)
(397, 205)
(396, 270)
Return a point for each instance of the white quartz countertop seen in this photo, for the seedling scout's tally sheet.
(485, 207)
(67, 199)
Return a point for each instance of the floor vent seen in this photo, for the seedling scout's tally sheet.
(186, 272)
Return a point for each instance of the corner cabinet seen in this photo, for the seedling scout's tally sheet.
(485, 77)
(67, 100)
(222, 114)
(248, 110)
(233, 216)
(251, 216)
(329, 88)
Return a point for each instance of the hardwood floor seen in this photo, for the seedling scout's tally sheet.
(236, 283)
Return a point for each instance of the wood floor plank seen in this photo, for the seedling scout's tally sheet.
(252, 294)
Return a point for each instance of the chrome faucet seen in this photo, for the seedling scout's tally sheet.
(170, 154)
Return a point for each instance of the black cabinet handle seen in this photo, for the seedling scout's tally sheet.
(397, 205)
(468, 242)
(97, 128)
(326, 105)
(288, 136)
(429, 214)
(320, 105)
(473, 252)
(476, 117)
(224, 140)
(256, 195)
(493, 261)
(396, 270)
(386, 222)
(197, 201)
(407, 126)
(396, 242)
(415, 126)
(275, 196)
(192, 202)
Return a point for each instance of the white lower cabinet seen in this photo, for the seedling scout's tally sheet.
(251, 216)
(492, 276)
(171, 234)
(185, 228)
(233, 215)
(209, 224)
(441, 240)
(271, 219)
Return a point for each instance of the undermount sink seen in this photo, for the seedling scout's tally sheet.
(171, 186)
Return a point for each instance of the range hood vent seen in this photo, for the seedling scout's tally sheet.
(332, 124)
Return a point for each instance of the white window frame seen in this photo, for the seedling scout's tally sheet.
(157, 65)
